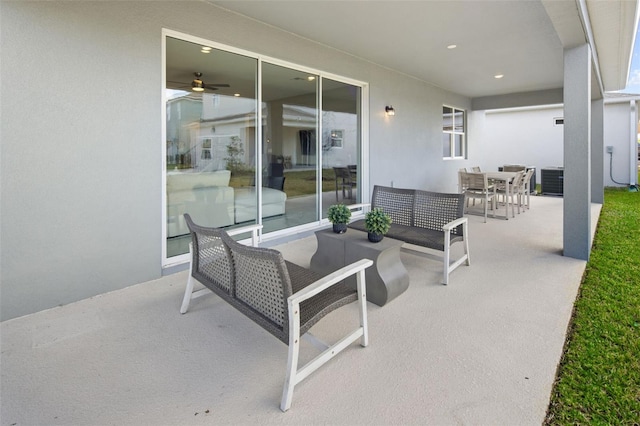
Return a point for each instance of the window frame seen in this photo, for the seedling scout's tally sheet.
(363, 113)
(453, 133)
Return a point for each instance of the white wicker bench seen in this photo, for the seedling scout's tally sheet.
(428, 219)
(283, 298)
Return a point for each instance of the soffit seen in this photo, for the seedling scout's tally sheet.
(614, 27)
(514, 38)
(522, 39)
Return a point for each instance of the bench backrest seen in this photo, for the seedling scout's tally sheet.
(211, 263)
(396, 202)
(254, 280)
(262, 286)
(414, 207)
(432, 210)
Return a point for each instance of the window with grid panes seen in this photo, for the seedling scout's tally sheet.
(453, 133)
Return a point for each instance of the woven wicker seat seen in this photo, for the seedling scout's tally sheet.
(282, 297)
(432, 220)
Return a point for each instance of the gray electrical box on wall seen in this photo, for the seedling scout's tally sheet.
(609, 149)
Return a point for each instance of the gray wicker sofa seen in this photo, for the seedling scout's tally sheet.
(283, 298)
(428, 219)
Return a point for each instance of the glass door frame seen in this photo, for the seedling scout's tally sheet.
(169, 262)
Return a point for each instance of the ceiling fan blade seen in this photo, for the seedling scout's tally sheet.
(178, 85)
(217, 85)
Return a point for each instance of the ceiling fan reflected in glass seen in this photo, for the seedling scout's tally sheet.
(198, 85)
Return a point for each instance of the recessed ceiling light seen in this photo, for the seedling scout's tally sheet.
(498, 76)
(311, 78)
(237, 95)
(206, 48)
(205, 51)
(452, 46)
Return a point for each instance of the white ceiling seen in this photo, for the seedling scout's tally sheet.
(521, 39)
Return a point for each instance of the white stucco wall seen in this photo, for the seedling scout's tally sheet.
(520, 136)
(529, 136)
(82, 148)
(619, 133)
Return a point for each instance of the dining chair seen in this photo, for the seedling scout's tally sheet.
(345, 181)
(461, 181)
(476, 169)
(477, 186)
(526, 188)
(512, 191)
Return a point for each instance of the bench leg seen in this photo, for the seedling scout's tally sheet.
(189, 290)
(447, 267)
(292, 360)
(362, 307)
(187, 295)
(295, 375)
(446, 259)
(466, 250)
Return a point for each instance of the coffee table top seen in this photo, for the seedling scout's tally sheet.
(359, 238)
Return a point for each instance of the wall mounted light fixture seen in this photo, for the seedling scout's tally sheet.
(389, 110)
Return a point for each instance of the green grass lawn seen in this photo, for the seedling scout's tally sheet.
(599, 375)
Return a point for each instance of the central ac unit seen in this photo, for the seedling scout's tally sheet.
(552, 181)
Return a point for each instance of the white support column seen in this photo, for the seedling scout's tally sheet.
(597, 151)
(577, 155)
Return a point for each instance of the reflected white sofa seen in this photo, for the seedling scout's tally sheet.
(206, 196)
(273, 203)
(211, 202)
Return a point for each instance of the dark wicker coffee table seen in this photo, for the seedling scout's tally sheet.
(386, 279)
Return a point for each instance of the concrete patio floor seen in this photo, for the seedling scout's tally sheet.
(483, 350)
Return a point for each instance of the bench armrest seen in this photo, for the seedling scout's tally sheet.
(329, 280)
(245, 229)
(457, 222)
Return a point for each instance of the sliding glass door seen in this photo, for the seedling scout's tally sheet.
(341, 143)
(290, 154)
(210, 139)
(250, 140)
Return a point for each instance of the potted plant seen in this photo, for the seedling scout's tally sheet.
(339, 215)
(377, 223)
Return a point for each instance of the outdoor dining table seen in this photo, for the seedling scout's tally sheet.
(505, 177)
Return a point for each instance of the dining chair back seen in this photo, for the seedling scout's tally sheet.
(477, 186)
(513, 191)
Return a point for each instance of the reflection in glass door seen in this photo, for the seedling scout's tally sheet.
(341, 143)
(289, 142)
(210, 139)
(227, 169)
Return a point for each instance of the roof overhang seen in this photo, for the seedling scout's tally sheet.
(524, 40)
